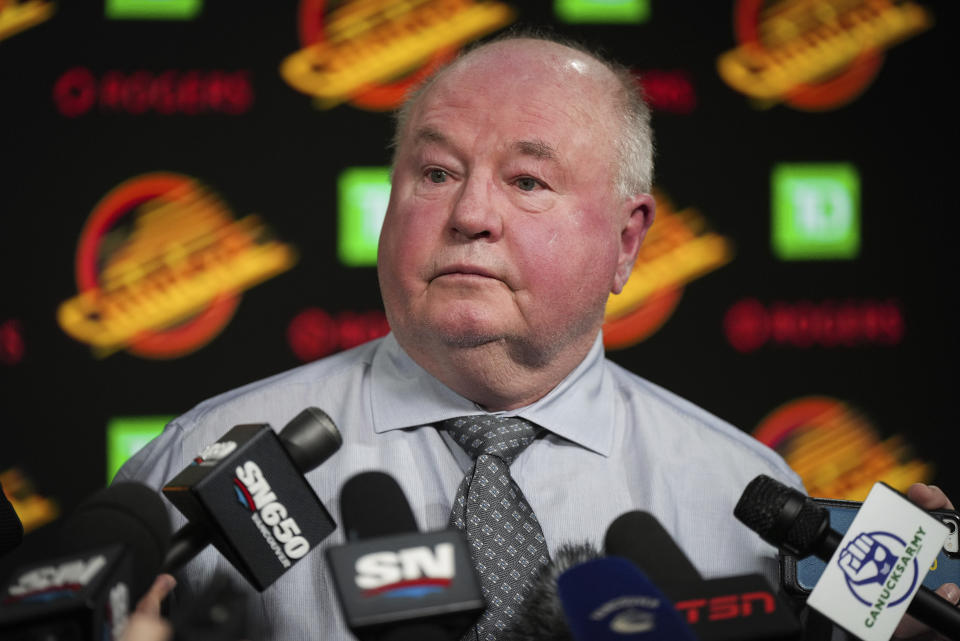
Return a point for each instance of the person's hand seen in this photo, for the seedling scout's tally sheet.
(929, 497)
(145, 622)
(150, 603)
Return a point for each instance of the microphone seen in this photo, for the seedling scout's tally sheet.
(639, 538)
(541, 616)
(786, 518)
(609, 598)
(395, 583)
(737, 608)
(11, 529)
(246, 494)
(110, 553)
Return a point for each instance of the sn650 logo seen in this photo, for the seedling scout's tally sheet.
(254, 493)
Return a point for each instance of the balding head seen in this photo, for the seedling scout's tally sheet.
(632, 137)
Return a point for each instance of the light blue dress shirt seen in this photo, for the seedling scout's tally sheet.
(616, 443)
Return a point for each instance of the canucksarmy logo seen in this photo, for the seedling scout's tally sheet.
(269, 515)
(881, 569)
(412, 573)
(371, 52)
(160, 266)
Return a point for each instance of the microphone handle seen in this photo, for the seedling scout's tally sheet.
(927, 606)
(186, 543)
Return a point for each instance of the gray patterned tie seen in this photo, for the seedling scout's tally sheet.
(506, 541)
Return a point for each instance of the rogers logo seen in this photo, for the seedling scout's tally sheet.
(750, 325)
(815, 55)
(363, 51)
(254, 493)
(315, 333)
(79, 91)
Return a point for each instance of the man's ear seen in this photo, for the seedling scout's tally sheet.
(640, 211)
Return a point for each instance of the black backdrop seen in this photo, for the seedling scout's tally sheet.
(280, 155)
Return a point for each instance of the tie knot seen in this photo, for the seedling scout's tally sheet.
(501, 436)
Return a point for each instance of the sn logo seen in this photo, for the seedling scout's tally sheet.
(379, 569)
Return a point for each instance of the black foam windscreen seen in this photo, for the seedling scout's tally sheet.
(129, 514)
(373, 505)
(782, 516)
(641, 539)
(541, 616)
(11, 529)
(310, 438)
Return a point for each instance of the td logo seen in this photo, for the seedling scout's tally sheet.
(816, 211)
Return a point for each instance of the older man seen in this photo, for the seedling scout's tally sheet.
(519, 203)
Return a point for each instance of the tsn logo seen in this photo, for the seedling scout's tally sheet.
(729, 606)
(254, 493)
(412, 571)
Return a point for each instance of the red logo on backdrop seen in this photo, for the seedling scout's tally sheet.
(315, 333)
(669, 91)
(815, 55)
(80, 91)
(12, 347)
(160, 266)
(750, 325)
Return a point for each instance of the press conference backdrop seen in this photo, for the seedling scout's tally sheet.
(192, 191)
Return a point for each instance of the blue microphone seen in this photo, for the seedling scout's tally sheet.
(609, 598)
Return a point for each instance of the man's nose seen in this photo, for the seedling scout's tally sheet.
(475, 214)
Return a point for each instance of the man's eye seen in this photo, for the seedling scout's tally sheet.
(437, 176)
(526, 183)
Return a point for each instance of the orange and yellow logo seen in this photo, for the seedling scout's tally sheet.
(836, 451)
(160, 266)
(815, 55)
(33, 509)
(678, 249)
(20, 15)
(371, 52)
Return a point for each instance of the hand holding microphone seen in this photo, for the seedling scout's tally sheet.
(786, 518)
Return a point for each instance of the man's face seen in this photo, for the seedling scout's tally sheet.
(502, 223)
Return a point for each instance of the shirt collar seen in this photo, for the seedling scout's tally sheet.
(580, 408)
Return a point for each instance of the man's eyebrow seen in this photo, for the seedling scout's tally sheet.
(429, 135)
(536, 148)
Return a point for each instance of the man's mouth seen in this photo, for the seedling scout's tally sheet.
(466, 271)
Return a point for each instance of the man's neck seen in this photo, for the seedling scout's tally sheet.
(496, 376)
